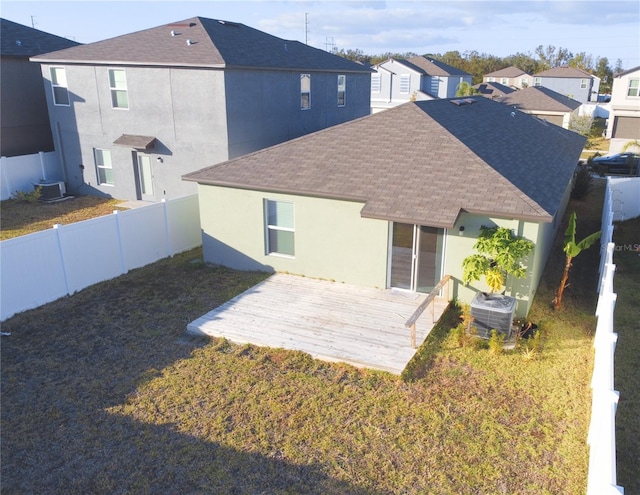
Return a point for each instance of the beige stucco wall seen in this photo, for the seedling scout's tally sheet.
(332, 241)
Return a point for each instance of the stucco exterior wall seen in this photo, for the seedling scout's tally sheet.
(332, 241)
(622, 105)
(568, 87)
(389, 95)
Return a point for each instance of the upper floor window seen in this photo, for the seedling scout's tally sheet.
(280, 231)
(104, 169)
(634, 88)
(118, 87)
(537, 81)
(491, 79)
(59, 86)
(305, 91)
(524, 82)
(504, 80)
(584, 83)
(342, 90)
(376, 83)
(405, 83)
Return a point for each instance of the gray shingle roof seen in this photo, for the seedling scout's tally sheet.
(540, 98)
(17, 40)
(421, 162)
(201, 42)
(493, 89)
(511, 71)
(434, 67)
(565, 72)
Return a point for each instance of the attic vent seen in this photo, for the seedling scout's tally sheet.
(190, 42)
(18, 42)
(465, 101)
(513, 114)
(174, 33)
(227, 23)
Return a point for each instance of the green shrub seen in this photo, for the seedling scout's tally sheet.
(28, 197)
(582, 183)
(496, 342)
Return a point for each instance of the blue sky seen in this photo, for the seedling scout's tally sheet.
(601, 28)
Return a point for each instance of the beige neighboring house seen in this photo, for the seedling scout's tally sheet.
(624, 120)
(545, 104)
(509, 76)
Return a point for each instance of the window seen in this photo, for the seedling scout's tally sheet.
(375, 83)
(305, 91)
(583, 83)
(491, 79)
(405, 83)
(537, 81)
(634, 87)
(118, 86)
(59, 86)
(342, 90)
(504, 80)
(280, 228)
(103, 166)
(524, 82)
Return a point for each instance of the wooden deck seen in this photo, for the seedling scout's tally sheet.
(330, 321)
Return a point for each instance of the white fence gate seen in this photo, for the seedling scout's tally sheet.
(621, 202)
(42, 267)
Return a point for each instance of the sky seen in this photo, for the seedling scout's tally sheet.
(499, 27)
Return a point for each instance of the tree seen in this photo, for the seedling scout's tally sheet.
(604, 72)
(465, 89)
(500, 253)
(571, 250)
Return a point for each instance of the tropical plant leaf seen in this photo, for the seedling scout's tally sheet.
(589, 240)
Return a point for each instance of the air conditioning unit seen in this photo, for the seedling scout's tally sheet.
(51, 190)
(492, 312)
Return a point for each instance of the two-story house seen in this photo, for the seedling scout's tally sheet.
(575, 83)
(624, 120)
(543, 103)
(24, 121)
(509, 76)
(395, 82)
(132, 114)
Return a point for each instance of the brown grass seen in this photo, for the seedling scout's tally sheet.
(20, 217)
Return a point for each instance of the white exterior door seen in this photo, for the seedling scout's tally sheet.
(144, 178)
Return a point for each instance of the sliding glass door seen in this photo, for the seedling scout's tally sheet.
(415, 260)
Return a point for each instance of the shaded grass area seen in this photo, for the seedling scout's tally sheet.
(103, 392)
(21, 217)
(626, 235)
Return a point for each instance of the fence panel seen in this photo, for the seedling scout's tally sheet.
(42, 267)
(19, 173)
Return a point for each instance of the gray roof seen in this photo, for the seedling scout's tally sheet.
(565, 72)
(511, 72)
(201, 42)
(434, 67)
(17, 40)
(540, 98)
(422, 162)
(493, 89)
(634, 69)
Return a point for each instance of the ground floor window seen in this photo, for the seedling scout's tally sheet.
(280, 231)
(104, 168)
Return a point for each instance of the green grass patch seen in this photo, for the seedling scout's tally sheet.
(103, 392)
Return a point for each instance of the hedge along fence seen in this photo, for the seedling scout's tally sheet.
(621, 202)
(42, 267)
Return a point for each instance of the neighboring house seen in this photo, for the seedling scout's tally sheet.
(624, 119)
(569, 81)
(132, 114)
(393, 200)
(509, 76)
(492, 90)
(24, 121)
(544, 103)
(395, 82)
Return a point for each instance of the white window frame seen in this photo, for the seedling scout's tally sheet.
(537, 81)
(342, 90)
(633, 88)
(102, 165)
(491, 79)
(57, 84)
(376, 83)
(113, 89)
(504, 80)
(405, 84)
(584, 83)
(271, 227)
(305, 91)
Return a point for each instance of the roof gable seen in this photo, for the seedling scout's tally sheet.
(510, 72)
(565, 71)
(434, 67)
(201, 42)
(540, 98)
(421, 162)
(17, 40)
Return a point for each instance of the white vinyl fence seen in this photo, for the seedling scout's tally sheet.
(622, 202)
(42, 267)
(20, 173)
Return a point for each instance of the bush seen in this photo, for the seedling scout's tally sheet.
(28, 197)
(496, 342)
(582, 182)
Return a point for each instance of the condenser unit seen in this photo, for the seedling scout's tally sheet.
(492, 312)
(51, 190)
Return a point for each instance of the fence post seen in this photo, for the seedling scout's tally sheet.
(43, 168)
(167, 233)
(123, 266)
(56, 228)
(6, 183)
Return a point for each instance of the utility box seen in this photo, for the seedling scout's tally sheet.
(493, 312)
